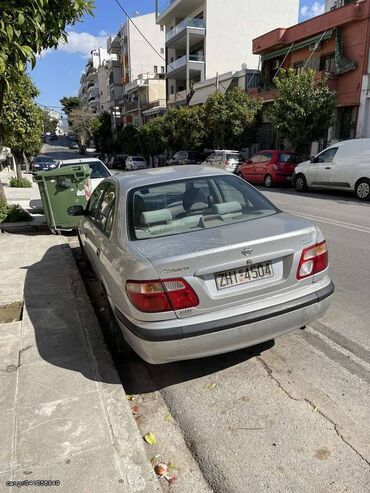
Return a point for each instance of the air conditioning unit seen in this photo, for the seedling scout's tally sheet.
(276, 65)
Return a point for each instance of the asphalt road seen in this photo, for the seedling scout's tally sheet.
(288, 418)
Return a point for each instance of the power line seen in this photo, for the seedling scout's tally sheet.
(140, 32)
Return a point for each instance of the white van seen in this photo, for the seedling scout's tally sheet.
(342, 166)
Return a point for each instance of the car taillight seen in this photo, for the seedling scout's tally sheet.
(162, 295)
(313, 260)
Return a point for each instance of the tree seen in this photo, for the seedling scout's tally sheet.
(153, 137)
(185, 128)
(304, 109)
(69, 104)
(27, 28)
(128, 140)
(230, 118)
(102, 133)
(83, 123)
(21, 119)
(49, 124)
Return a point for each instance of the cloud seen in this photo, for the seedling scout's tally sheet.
(308, 11)
(80, 43)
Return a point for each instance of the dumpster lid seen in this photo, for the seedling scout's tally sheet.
(76, 170)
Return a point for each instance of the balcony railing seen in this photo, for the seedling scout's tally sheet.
(177, 97)
(180, 62)
(189, 22)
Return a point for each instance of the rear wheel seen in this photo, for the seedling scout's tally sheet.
(363, 189)
(300, 183)
(85, 260)
(268, 181)
(120, 346)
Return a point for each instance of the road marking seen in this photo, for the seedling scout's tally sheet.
(333, 222)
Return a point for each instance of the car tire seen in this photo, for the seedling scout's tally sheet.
(362, 189)
(121, 347)
(300, 183)
(268, 181)
(85, 261)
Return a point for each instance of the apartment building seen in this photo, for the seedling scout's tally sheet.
(206, 38)
(336, 44)
(142, 69)
(89, 92)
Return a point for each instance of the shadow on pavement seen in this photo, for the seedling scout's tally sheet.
(56, 325)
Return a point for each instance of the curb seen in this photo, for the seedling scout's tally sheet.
(137, 471)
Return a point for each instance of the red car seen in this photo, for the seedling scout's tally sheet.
(270, 168)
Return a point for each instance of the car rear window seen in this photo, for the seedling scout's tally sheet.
(193, 204)
(234, 157)
(98, 170)
(138, 158)
(286, 157)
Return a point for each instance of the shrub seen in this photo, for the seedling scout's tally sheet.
(12, 213)
(19, 182)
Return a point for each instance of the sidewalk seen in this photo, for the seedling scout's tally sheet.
(28, 198)
(63, 412)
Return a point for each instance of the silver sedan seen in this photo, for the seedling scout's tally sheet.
(196, 262)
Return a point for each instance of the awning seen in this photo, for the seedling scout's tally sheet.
(208, 87)
(298, 46)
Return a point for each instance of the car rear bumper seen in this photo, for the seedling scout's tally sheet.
(159, 345)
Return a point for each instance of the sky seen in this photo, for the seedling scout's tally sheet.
(58, 72)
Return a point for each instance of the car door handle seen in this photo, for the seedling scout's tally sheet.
(328, 167)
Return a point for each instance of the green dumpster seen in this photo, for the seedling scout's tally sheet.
(61, 188)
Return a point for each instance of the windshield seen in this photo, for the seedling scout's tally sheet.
(98, 170)
(44, 159)
(194, 204)
(234, 157)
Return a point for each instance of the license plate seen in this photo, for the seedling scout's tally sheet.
(244, 275)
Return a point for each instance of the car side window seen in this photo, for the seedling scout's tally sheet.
(211, 157)
(267, 156)
(256, 159)
(219, 157)
(104, 216)
(94, 201)
(326, 156)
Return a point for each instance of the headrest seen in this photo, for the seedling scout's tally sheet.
(155, 217)
(227, 207)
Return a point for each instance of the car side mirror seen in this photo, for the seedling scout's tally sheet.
(76, 210)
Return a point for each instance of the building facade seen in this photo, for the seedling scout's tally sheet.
(89, 92)
(334, 44)
(197, 46)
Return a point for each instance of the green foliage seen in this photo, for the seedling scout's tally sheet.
(49, 124)
(230, 118)
(128, 140)
(12, 213)
(21, 119)
(19, 182)
(185, 128)
(304, 109)
(152, 137)
(69, 104)
(27, 27)
(102, 133)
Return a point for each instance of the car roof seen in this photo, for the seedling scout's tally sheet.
(79, 161)
(161, 175)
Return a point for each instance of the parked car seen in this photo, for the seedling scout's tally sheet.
(342, 166)
(119, 162)
(98, 170)
(134, 163)
(270, 168)
(226, 160)
(196, 262)
(53, 137)
(74, 145)
(185, 157)
(42, 163)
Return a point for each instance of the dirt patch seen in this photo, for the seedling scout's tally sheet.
(11, 312)
(322, 453)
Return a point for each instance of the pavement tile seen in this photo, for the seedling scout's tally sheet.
(54, 346)
(36, 318)
(90, 472)
(9, 354)
(6, 434)
(47, 381)
(8, 331)
(58, 429)
(8, 382)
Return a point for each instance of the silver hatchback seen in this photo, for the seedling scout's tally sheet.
(197, 262)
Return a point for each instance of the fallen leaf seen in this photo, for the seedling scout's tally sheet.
(168, 417)
(135, 409)
(154, 458)
(314, 409)
(212, 386)
(171, 466)
(130, 397)
(150, 438)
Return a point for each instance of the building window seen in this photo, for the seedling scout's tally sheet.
(172, 90)
(155, 69)
(162, 50)
(298, 67)
(162, 69)
(162, 27)
(327, 63)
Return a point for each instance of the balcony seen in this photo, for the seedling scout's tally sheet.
(131, 106)
(195, 61)
(168, 9)
(154, 104)
(177, 98)
(194, 26)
